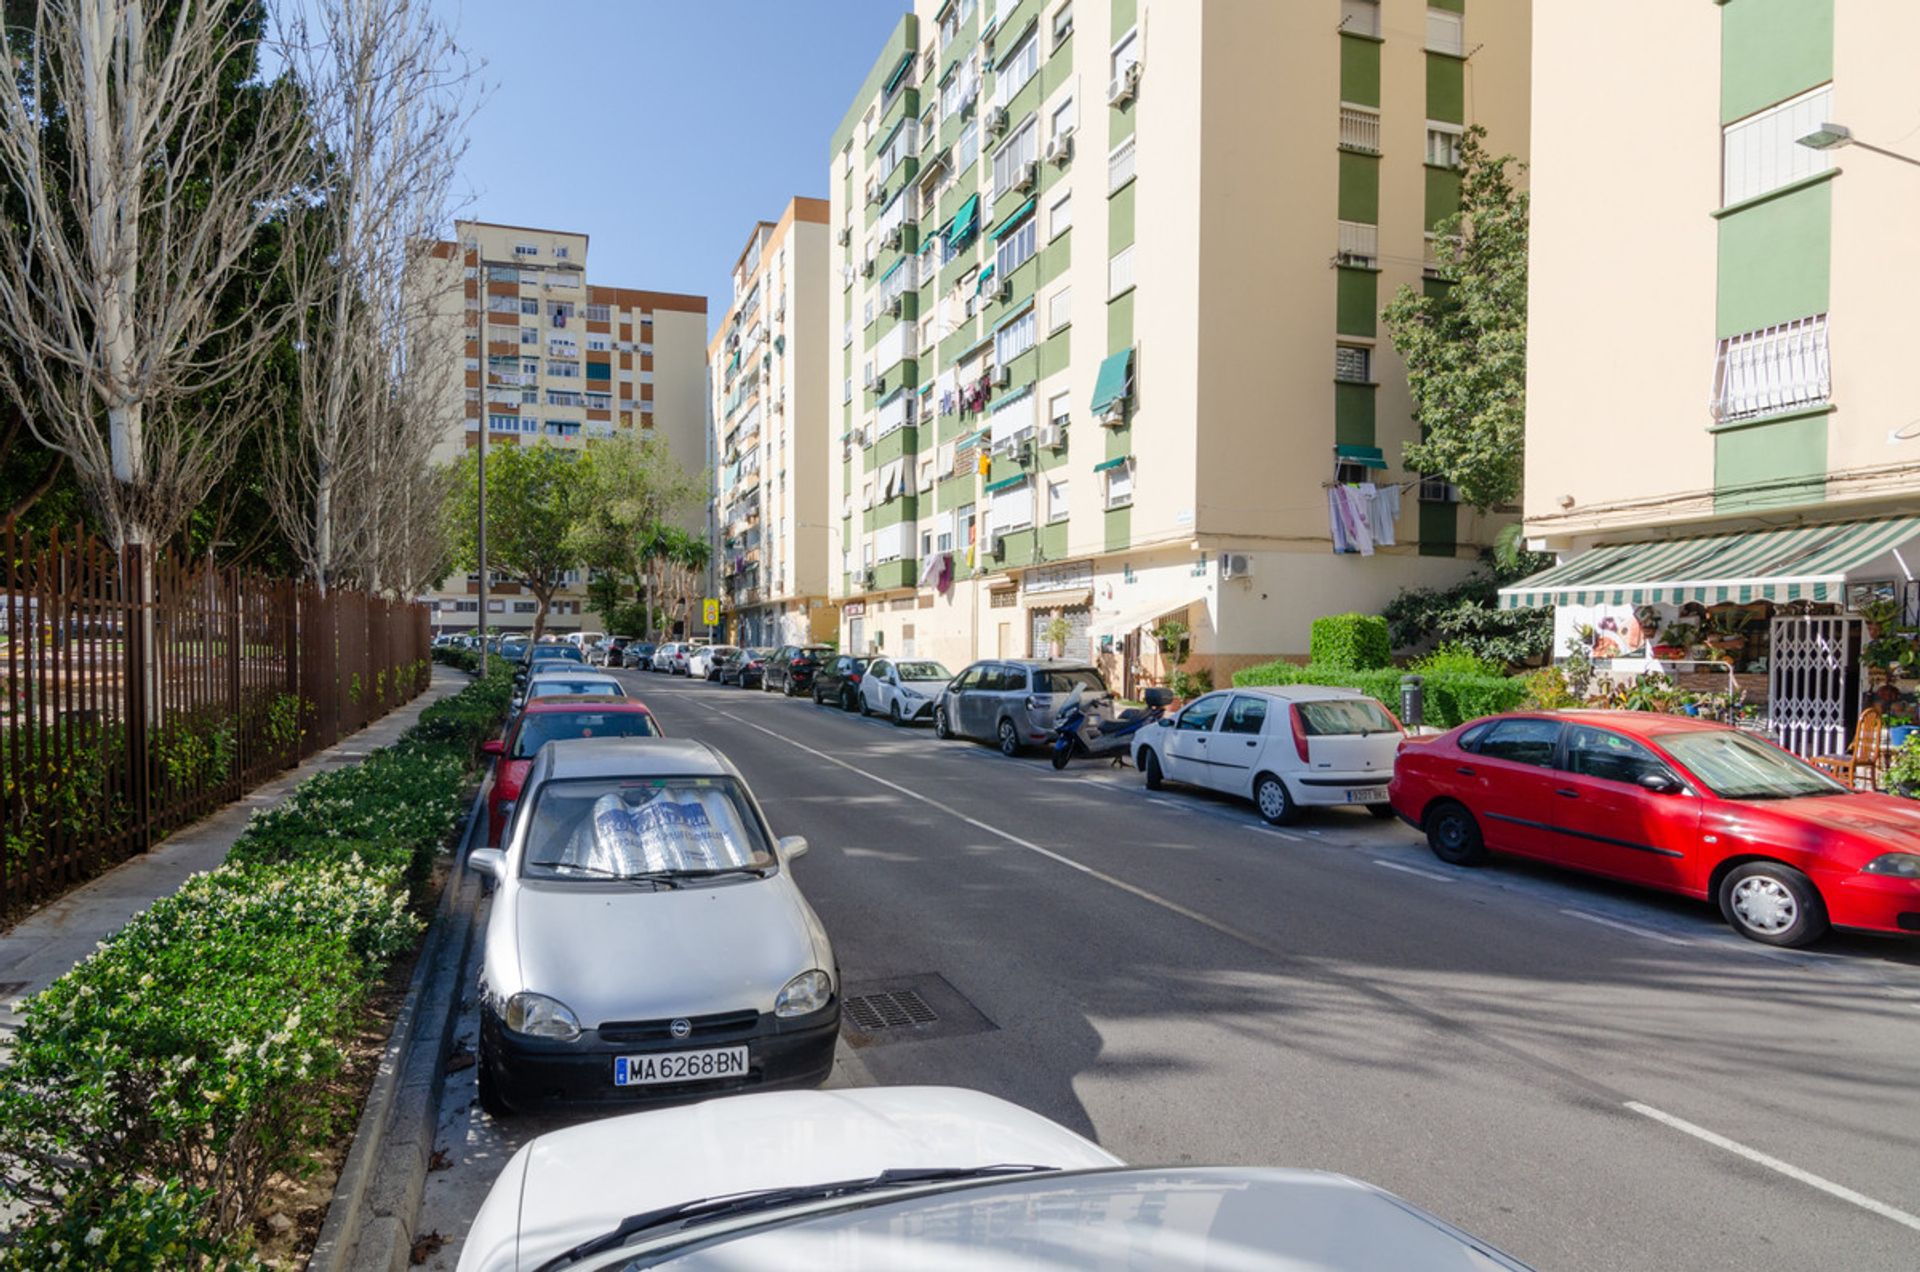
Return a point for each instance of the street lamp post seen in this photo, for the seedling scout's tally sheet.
(1836, 136)
(480, 466)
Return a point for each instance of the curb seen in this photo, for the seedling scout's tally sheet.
(376, 1200)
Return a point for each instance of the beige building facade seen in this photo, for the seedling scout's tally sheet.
(1105, 289)
(767, 373)
(554, 358)
(1720, 427)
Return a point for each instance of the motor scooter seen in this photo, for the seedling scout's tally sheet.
(1080, 731)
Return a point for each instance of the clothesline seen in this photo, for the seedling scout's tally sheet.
(1362, 515)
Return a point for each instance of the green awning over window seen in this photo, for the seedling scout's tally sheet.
(1006, 483)
(1111, 385)
(1019, 214)
(980, 283)
(1115, 462)
(1368, 456)
(1793, 563)
(963, 221)
(1013, 317)
(971, 439)
(896, 265)
(900, 70)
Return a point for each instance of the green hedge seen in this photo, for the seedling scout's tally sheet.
(157, 1088)
(1450, 698)
(1356, 642)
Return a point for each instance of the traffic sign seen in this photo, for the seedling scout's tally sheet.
(710, 611)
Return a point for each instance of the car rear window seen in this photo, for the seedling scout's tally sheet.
(555, 687)
(1066, 681)
(1521, 741)
(921, 671)
(596, 828)
(1344, 717)
(550, 726)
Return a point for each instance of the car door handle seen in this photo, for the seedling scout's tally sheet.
(1253, 742)
(1201, 741)
(1568, 792)
(1464, 771)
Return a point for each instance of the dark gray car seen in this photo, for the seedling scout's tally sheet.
(1010, 701)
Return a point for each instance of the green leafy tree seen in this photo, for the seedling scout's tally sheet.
(1466, 347)
(536, 497)
(633, 490)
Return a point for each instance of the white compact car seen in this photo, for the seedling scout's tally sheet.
(554, 684)
(1286, 748)
(703, 660)
(663, 655)
(903, 689)
(647, 941)
(888, 1178)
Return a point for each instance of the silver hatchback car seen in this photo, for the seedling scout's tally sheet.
(646, 940)
(1011, 701)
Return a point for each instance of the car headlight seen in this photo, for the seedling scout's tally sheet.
(804, 994)
(538, 1016)
(1901, 865)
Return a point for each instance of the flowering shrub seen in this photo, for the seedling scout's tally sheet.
(156, 1088)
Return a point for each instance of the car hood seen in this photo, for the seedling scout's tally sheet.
(1892, 824)
(618, 952)
(568, 1186)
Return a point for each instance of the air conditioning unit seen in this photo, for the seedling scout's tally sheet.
(998, 548)
(866, 268)
(1005, 290)
(1002, 377)
(1053, 435)
(1060, 149)
(870, 579)
(846, 235)
(1236, 565)
(1115, 415)
(896, 307)
(893, 238)
(1029, 174)
(997, 120)
(1124, 86)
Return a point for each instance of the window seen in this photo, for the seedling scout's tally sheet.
(1126, 53)
(1359, 244)
(1014, 72)
(529, 335)
(1360, 128)
(564, 370)
(1120, 165)
(1060, 215)
(1013, 339)
(1353, 364)
(1062, 23)
(1521, 741)
(1443, 144)
(1011, 160)
(967, 149)
(1446, 32)
(1438, 490)
(1773, 369)
(525, 249)
(561, 253)
(1065, 118)
(1361, 17)
(503, 423)
(1762, 152)
(1059, 309)
(1199, 717)
(1247, 714)
(598, 313)
(1016, 248)
(1011, 509)
(1598, 753)
(530, 366)
(1120, 485)
(529, 305)
(598, 344)
(1120, 273)
(846, 394)
(1057, 499)
(1060, 409)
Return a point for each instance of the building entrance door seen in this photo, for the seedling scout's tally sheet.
(1813, 683)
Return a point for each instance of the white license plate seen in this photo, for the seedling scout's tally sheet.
(1367, 795)
(680, 1066)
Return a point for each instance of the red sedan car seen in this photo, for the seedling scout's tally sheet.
(1671, 803)
(545, 720)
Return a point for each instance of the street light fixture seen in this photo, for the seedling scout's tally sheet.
(1835, 136)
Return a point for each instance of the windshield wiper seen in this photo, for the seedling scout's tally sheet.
(660, 878)
(687, 1214)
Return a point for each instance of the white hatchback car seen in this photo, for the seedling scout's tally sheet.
(903, 689)
(1285, 747)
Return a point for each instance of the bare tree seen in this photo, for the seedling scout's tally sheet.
(140, 194)
(388, 90)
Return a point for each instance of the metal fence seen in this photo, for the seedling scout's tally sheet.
(140, 692)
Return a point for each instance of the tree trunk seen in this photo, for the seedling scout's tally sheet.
(545, 597)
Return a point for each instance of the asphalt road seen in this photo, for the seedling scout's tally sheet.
(1588, 1076)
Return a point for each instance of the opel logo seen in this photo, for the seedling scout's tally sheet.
(680, 1028)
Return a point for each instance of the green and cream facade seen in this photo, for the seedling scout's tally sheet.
(1106, 277)
(1718, 410)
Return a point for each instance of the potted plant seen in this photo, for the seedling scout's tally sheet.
(1903, 770)
(1056, 632)
(1727, 631)
(1675, 640)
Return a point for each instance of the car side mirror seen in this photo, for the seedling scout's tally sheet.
(494, 746)
(1164, 722)
(488, 861)
(1661, 783)
(793, 847)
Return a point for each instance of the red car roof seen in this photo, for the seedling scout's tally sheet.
(575, 701)
(1643, 723)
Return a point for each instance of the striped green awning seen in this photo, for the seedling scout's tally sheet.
(898, 71)
(1111, 385)
(963, 221)
(1013, 218)
(1115, 462)
(1365, 456)
(1794, 563)
(971, 439)
(1006, 482)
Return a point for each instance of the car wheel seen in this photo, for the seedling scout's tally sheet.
(893, 713)
(941, 729)
(1009, 739)
(1150, 770)
(1454, 836)
(492, 1100)
(1275, 804)
(846, 699)
(817, 700)
(1382, 811)
(1772, 903)
(865, 710)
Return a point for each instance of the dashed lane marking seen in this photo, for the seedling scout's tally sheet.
(1434, 875)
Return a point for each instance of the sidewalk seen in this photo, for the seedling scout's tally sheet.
(44, 945)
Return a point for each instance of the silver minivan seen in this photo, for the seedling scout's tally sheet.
(1011, 701)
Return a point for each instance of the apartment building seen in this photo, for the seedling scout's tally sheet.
(1720, 426)
(552, 357)
(767, 373)
(1106, 284)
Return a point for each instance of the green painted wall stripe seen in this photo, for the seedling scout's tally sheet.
(1357, 301)
(1359, 187)
(1359, 70)
(1439, 529)
(1443, 194)
(1771, 467)
(1120, 218)
(1446, 88)
(1774, 261)
(1771, 50)
(1353, 414)
(903, 42)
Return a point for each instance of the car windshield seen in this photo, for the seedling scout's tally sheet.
(922, 671)
(548, 726)
(1085, 679)
(815, 651)
(1735, 766)
(1340, 717)
(557, 686)
(638, 827)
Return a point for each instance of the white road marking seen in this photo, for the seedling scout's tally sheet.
(1434, 875)
(1791, 1171)
(1273, 830)
(1617, 925)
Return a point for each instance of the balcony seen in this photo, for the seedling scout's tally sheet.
(1360, 129)
(1359, 245)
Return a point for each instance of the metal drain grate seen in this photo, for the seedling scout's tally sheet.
(889, 1009)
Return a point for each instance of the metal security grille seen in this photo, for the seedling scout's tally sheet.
(889, 1009)
(1813, 680)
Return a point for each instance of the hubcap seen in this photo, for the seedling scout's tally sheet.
(1273, 800)
(1007, 740)
(1764, 904)
(1452, 832)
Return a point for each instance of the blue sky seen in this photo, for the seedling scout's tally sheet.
(707, 115)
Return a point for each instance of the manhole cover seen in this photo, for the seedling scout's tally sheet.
(907, 1009)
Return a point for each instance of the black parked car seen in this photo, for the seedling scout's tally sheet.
(838, 681)
(638, 654)
(792, 667)
(745, 667)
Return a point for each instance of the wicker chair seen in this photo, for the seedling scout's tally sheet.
(1862, 761)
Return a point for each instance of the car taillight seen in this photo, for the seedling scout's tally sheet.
(1299, 731)
(798, 663)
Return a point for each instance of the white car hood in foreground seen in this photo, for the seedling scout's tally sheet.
(572, 1185)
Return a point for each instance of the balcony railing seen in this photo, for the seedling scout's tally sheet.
(1773, 369)
(1360, 129)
